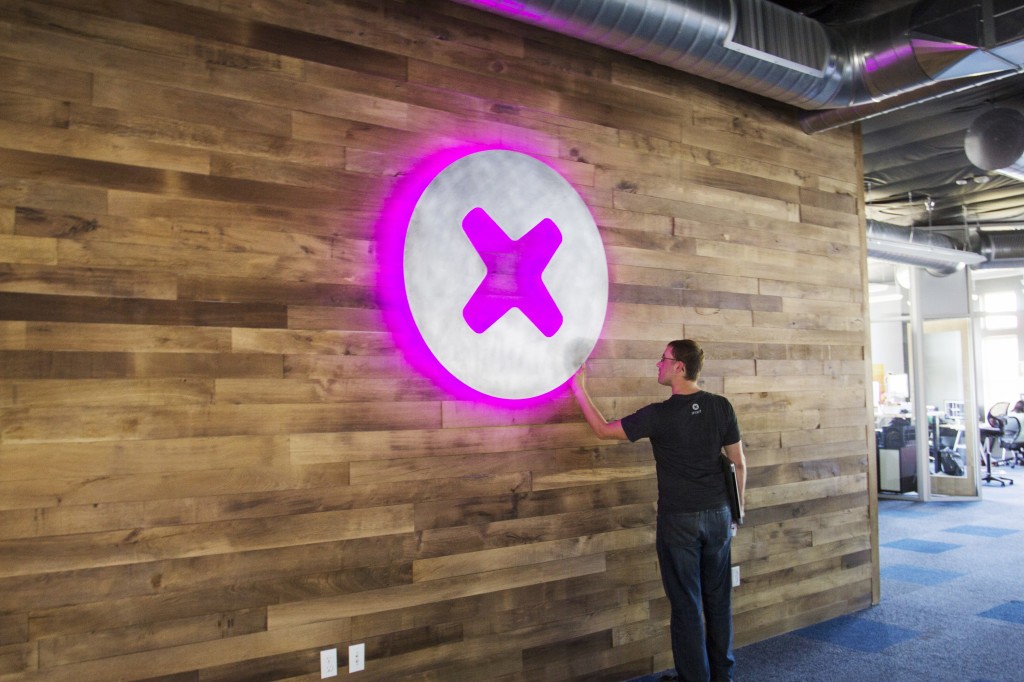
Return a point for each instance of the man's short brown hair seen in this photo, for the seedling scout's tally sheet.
(690, 354)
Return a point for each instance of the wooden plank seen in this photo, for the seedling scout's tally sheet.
(94, 550)
(86, 145)
(17, 249)
(90, 310)
(795, 492)
(183, 588)
(311, 448)
(39, 193)
(68, 336)
(281, 391)
(61, 425)
(291, 616)
(193, 656)
(477, 562)
(395, 470)
(312, 342)
(298, 219)
(809, 161)
(40, 364)
(134, 393)
(801, 237)
(202, 235)
(132, 178)
(62, 651)
(90, 460)
(13, 335)
(33, 110)
(64, 280)
(297, 294)
(41, 81)
(520, 531)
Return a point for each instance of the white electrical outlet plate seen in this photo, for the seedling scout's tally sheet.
(356, 658)
(735, 576)
(328, 663)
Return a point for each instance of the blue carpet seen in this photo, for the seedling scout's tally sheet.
(918, 575)
(858, 634)
(982, 531)
(1011, 612)
(923, 546)
(656, 677)
(912, 510)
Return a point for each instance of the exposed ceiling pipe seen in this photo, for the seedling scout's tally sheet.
(942, 254)
(761, 47)
(753, 45)
(995, 142)
(820, 121)
(939, 253)
(1001, 249)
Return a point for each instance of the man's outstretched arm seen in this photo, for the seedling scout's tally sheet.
(604, 429)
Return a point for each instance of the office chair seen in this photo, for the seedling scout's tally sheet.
(1012, 438)
(996, 414)
(996, 419)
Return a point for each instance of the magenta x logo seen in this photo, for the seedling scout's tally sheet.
(514, 269)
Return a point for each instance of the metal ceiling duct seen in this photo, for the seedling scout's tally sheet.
(927, 50)
(995, 142)
(753, 45)
(761, 47)
(940, 254)
(1001, 249)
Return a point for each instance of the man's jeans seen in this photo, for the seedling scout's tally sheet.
(693, 551)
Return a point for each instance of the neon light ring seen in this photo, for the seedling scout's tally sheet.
(504, 280)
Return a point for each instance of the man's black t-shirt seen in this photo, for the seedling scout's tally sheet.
(687, 434)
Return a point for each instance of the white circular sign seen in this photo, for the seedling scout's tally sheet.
(505, 274)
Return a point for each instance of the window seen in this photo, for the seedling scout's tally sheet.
(999, 369)
(994, 303)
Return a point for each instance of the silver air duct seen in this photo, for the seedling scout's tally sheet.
(766, 49)
(940, 254)
(995, 142)
(1001, 249)
(753, 45)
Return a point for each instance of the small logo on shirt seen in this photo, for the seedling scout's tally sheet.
(695, 409)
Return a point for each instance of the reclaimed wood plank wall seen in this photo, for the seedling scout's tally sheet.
(215, 463)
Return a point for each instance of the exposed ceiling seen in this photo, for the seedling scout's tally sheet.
(915, 167)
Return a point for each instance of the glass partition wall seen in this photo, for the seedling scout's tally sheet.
(925, 413)
(951, 413)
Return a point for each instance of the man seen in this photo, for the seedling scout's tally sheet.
(688, 433)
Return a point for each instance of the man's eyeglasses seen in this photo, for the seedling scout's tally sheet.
(663, 359)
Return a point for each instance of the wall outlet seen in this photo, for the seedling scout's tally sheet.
(735, 576)
(328, 663)
(356, 658)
